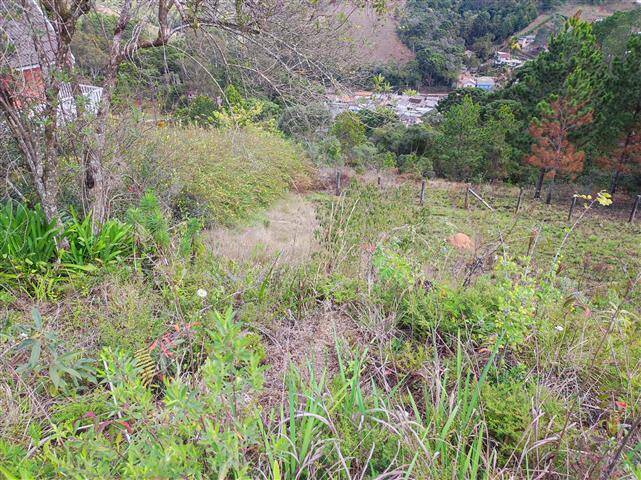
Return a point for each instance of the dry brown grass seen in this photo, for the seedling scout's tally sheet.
(308, 345)
(287, 231)
(590, 13)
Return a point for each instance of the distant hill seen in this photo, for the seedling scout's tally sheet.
(375, 35)
(550, 21)
(446, 36)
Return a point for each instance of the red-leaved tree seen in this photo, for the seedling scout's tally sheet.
(552, 151)
(625, 158)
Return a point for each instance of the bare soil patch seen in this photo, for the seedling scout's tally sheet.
(590, 13)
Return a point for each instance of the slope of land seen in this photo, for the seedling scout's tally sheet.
(590, 13)
(375, 35)
(284, 233)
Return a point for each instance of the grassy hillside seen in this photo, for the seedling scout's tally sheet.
(375, 35)
(386, 349)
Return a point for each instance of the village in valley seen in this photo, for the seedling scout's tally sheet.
(410, 106)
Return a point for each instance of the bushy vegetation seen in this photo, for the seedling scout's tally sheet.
(492, 362)
(441, 31)
(31, 256)
(414, 339)
(570, 113)
(217, 176)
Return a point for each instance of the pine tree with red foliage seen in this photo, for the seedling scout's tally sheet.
(553, 152)
(625, 158)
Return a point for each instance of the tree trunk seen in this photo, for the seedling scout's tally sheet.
(615, 182)
(96, 186)
(548, 199)
(539, 184)
(49, 199)
(38, 145)
(95, 175)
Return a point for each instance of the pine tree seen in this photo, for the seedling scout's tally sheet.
(619, 126)
(553, 152)
(572, 67)
(625, 158)
(459, 142)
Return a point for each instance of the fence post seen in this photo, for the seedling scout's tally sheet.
(518, 202)
(422, 195)
(635, 207)
(572, 205)
(534, 236)
(467, 197)
(338, 182)
(380, 183)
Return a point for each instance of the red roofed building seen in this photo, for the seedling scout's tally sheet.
(28, 48)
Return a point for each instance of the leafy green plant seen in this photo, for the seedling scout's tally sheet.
(393, 269)
(149, 221)
(46, 354)
(27, 240)
(112, 242)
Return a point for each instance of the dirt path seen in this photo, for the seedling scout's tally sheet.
(287, 228)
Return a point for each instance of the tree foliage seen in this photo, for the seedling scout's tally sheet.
(553, 150)
(440, 31)
(620, 125)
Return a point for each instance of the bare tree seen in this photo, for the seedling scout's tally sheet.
(50, 113)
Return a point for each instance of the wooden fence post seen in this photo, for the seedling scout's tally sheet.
(380, 183)
(422, 195)
(518, 202)
(480, 199)
(467, 197)
(338, 182)
(534, 236)
(635, 207)
(572, 205)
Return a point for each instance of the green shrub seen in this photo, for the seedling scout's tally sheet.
(31, 253)
(200, 110)
(304, 121)
(47, 357)
(339, 288)
(150, 223)
(196, 430)
(501, 305)
(507, 411)
(112, 242)
(27, 240)
(349, 130)
(221, 176)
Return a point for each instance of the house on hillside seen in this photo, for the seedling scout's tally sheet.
(466, 81)
(526, 41)
(486, 83)
(28, 49)
(506, 59)
(409, 108)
